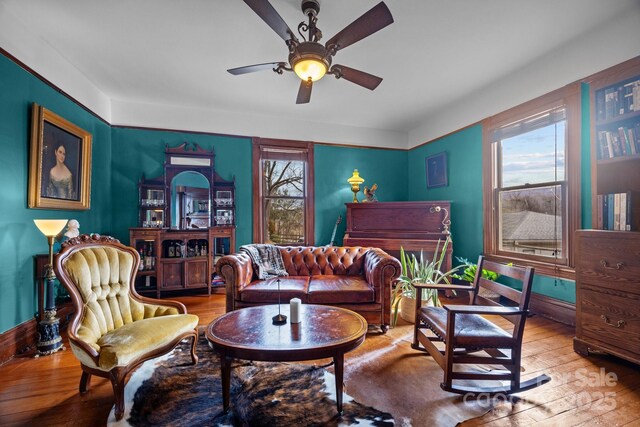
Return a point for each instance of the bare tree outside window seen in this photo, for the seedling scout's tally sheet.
(283, 194)
(283, 184)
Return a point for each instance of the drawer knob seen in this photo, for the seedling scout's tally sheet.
(618, 324)
(605, 264)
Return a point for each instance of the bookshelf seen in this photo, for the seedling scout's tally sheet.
(607, 268)
(615, 147)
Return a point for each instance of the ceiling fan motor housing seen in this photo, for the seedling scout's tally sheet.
(310, 7)
(310, 50)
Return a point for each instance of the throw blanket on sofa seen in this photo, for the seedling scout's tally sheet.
(266, 259)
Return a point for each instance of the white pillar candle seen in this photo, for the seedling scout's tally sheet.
(294, 310)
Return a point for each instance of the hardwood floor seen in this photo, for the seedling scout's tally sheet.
(599, 390)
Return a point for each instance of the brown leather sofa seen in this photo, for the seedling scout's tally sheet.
(355, 278)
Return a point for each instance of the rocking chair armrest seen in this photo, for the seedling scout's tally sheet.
(483, 309)
(442, 286)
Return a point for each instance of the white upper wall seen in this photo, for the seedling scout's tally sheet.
(608, 45)
(611, 44)
(17, 39)
(250, 124)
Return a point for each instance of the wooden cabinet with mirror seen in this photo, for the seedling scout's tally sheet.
(186, 222)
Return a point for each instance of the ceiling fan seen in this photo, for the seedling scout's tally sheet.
(311, 60)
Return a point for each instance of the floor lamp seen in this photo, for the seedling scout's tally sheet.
(49, 340)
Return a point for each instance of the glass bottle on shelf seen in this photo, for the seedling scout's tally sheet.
(141, 265)
(149, 258)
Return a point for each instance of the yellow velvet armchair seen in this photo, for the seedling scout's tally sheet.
(114, 329)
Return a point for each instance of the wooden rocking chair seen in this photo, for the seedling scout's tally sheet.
(462, 330)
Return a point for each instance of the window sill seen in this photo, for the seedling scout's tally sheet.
(541, 268)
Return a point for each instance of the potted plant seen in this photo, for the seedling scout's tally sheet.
(419, 270)
(469, 275)
(469, 272)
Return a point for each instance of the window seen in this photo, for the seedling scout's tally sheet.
(532, 182)
(283, 192)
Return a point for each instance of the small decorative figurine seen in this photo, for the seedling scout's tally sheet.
(370, 193)
(73, 229)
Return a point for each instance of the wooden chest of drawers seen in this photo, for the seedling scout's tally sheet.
(608, 293)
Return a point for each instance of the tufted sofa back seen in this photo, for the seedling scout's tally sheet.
(99, 281)
(323, 260)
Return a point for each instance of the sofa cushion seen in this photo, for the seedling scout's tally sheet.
(332, 289)
(266, 291)
(313, 261)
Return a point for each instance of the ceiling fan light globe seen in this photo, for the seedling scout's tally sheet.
(310, 69)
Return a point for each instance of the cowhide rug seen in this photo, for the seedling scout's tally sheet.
(383, 373)
(168, 391)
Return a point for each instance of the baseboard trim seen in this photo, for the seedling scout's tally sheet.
(23, 338)
(554, 309)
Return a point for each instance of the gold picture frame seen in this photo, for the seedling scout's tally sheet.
(59, 163)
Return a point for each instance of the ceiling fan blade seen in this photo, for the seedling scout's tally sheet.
(356, 76)
(253, 68)
(304, 93)
(265, 10)
(374, 20)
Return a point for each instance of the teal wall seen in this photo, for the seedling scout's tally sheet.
(464, 189)
(335, 164)
(140, 151)
(20, 240)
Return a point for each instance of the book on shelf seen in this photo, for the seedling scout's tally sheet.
(623, 212)
(610, 215)
(615, 101)
(600, 203)
(610, 99)
(625, 141)
(618, 149)
(618, 211)
(622, 133)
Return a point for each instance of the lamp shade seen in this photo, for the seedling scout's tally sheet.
(355, 178)
(50, 227)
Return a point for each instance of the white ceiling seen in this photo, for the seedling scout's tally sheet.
(174, 55)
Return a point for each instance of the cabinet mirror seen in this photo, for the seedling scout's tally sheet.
(190, 201)
(189, 193)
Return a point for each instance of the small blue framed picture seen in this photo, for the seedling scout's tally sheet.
(436, 170)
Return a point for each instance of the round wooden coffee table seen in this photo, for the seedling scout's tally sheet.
(249, 334)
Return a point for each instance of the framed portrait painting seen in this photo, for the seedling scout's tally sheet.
(59, 163)
(437, 170)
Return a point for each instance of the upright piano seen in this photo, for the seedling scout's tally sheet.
(414, 226)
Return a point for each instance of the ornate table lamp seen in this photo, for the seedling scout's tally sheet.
(355, 182)
(49, 340)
